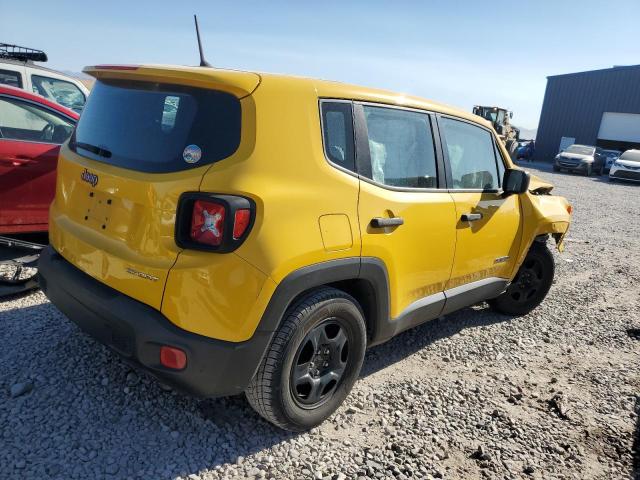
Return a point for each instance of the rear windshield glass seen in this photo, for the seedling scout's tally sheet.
(157, 128)
(580, 149)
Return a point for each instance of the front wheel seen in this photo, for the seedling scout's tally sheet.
(313, 361)
(531, 284)
(589, 170)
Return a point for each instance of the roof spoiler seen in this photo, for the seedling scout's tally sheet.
(23, 54)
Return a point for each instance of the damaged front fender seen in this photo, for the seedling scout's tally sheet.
(543, 214)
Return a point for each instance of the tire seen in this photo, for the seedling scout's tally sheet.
(601, 172)
(295, 401)
(588, 171)
(556, 168)
(530, 285)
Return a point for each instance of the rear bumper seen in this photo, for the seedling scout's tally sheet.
(136, 332)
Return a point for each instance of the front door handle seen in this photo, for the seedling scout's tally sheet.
(380, 222)
(471, 217)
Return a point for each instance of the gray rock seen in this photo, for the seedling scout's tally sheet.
(19, 389)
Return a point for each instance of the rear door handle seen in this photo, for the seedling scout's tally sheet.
(471, 217)
(380, 222)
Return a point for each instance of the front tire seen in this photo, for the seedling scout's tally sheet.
(314, 359)
(530, 285)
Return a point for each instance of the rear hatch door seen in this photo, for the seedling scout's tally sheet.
(146, 136)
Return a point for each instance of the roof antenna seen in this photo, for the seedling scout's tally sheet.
(203, 62)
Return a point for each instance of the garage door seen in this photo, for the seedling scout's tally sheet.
(621, 127)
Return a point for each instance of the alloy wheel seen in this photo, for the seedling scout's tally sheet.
(528, 281)
(319, 363)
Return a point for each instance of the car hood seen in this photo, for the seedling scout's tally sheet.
(538, 185)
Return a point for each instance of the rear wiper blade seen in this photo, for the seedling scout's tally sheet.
(94, 149)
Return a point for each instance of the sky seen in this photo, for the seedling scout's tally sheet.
(463, 53)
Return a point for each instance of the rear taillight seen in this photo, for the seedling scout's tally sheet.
(217, 223)
(207, 222)
(241, 222)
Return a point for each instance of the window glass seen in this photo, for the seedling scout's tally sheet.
(471, 155)
(59, 91)
(401, 147)
(11, 78)
(26, 121)
(159, 128)
(338, 133)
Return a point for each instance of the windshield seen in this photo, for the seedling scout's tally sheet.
(580, 149)
(157, 128)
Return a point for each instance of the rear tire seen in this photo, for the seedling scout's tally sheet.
(314, 359)
(530, 285)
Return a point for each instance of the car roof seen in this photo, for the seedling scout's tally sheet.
(248, 81)
(20, 93)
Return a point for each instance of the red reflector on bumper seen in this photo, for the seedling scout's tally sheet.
(172, 357)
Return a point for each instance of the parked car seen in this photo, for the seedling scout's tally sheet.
(580, 158)
(526, 150)
(627, 167)
(17, 69)
(240, 232)
(611, 156)
(32, 129)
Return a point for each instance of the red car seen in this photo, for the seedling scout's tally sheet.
(32, 129)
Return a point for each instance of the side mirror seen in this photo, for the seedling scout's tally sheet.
(515, 181)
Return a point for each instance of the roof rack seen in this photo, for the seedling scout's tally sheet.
(24, 54)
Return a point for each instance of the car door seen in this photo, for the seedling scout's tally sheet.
(407, 218)
(488, 225)
(30, 138)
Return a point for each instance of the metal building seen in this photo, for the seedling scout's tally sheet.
(600, 107)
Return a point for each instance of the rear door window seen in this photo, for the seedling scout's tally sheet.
(471, 154)
(157, 128)
(401, 147)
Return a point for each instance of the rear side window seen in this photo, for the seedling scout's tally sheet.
(157, 128)
(401, 147)
(11, 78)
(472, 157)
(337, 131)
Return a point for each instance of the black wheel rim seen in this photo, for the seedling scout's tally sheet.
(320, 363)
(528, 281)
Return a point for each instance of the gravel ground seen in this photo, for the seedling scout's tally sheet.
(554, 394)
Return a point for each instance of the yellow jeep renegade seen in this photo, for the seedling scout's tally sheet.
(243, 232)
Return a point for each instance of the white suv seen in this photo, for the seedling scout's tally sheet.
(18, 70)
